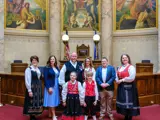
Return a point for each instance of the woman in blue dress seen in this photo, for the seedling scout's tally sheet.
(51, 90)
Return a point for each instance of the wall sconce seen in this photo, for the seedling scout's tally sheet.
(96, 39)
(65, 39)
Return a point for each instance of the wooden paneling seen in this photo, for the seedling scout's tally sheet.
(150, 85)
(12, 99)
(147, 100)
(11, 85)
(4, 98)
(115, 90)
(20, 89)
(20, 100)
(3, 84)
(157, 84)
(18, 67)
(13, 89)
(158, 99)
(144, 67)
(142, 88)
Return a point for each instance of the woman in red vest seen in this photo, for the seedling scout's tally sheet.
(91, 96)
(127, 96)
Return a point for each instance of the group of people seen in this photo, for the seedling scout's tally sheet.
(82, 88)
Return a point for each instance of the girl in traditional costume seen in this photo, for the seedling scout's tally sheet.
(91, 96)
(73, 99)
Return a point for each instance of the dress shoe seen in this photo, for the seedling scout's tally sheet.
(126, 117)
(32, 117)
(129, 117)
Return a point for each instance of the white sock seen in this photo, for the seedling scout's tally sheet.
(94, 117)
(85, 117)
(54, 118)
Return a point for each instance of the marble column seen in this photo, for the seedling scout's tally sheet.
(1, 36)
(55, 28)
(106, 35)
(159, 36)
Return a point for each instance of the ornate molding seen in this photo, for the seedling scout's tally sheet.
(28, 33)
(147, 38)
(17, 38)
(129, 33)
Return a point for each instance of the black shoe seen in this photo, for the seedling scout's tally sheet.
(32, 117)
(129, 117)
(126, 117)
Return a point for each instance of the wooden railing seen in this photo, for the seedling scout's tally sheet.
(13, 89)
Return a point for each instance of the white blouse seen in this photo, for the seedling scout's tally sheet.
(95, 88)
(90, 69)
(80, 90)
(131, 71)
(28, 77)
(55, 70)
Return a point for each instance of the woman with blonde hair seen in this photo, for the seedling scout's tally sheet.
(88, 66)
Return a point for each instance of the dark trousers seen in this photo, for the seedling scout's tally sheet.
(90, 109)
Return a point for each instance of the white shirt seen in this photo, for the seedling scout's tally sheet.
(28, 77)
(96, 90)
(90, 69)
(104, 74)
(80, 90)
(131, 71)
(55, 70)
(63, 71)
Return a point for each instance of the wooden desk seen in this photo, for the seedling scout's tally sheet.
(144, 68)
(18, 67)
(13, 89)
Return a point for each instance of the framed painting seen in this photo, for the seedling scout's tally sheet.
(26, 14)
(135, 14)
(80, 15)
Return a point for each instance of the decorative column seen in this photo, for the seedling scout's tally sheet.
(1, 36)
(106, 42)
(55, 28)
(158, 36)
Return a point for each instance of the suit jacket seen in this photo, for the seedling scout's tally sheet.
(49, 77)
(110, 77)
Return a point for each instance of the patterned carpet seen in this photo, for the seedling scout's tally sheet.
(9, 112)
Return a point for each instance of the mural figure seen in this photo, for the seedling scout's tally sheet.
(26, 17)
(135, 14)
(15, 6)
(81, 14)
(26, 14)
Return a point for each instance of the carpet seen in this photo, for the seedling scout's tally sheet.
(9, 112)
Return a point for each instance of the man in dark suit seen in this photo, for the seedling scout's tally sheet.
(73, 65)
(105, 76)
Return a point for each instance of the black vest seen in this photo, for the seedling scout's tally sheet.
(70, 68)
